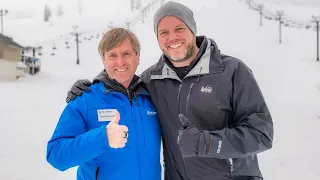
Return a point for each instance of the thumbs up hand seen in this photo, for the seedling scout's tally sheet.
(188, 138)
(117, 134)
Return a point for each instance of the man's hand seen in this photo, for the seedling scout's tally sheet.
(77, 88)
(188, 138)
(117, 134)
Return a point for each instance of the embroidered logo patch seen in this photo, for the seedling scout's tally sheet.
(151, 113)
(206, 89)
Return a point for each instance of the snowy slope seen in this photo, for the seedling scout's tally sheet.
(288, 75)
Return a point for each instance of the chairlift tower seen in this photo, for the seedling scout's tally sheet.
(316, 19)
(77, 41)
(3, 12)
(280, 19)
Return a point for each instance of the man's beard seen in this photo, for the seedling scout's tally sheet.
(190, 49)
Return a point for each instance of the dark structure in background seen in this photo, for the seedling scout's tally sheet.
(33, 64)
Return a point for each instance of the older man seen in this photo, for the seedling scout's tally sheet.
(92, 132)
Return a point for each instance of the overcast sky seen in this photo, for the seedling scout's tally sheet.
(33, 7)
(36, 7)
(39, 4)
(30, 4)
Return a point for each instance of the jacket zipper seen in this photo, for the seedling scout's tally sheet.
(188, 97)
(138, 160)
(129, 97)
(231, 166)
(97, 172)
(179, 92)
(180, 109)
(135, 123)
(130, 100)
(187, 104)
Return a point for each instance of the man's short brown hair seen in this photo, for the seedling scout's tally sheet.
(114, 37)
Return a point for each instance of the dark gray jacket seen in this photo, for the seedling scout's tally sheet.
(219, 95)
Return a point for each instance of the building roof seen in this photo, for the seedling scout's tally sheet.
(9, 42)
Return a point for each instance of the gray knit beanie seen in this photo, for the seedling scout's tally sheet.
(178, 10)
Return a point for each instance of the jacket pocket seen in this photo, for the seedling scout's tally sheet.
(207, 168)
(247, 167)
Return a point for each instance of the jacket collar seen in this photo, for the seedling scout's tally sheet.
(112, 85)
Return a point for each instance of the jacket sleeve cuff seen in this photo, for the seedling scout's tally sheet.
(103, 139)
(209, 146)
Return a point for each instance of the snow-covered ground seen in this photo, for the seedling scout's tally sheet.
(287, 73)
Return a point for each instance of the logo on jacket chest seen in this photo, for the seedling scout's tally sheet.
(151, 113)
(206, 89)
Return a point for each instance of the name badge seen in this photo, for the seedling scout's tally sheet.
(105, 115)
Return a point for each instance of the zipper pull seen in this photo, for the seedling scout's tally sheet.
(129, 97)
(178, 98)
(179, 136)
(128, 92)
(231, 166)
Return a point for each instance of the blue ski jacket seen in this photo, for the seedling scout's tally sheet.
(80, 137)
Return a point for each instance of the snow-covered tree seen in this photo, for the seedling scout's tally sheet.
(138, 4)
(132, 5)
(80, 6)
(47, 13)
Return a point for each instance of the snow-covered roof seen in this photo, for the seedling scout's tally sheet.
(9, 42)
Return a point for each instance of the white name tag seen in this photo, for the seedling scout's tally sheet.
(105, 115)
